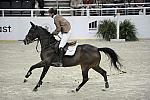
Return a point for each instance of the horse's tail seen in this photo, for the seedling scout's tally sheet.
(114, 57)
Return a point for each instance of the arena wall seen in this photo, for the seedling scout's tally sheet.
(15, 28)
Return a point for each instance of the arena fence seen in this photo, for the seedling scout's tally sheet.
(77, 12)
(15, 23)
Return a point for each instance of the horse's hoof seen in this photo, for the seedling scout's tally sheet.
(77, 89)
(103, 89)
(25, 80)
(28, 74)
(106, 85)
(72, 91)
(35, 90)
(124, 72)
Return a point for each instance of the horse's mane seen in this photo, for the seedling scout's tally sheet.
(46, 31)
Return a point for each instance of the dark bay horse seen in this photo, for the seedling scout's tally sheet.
(86, 55)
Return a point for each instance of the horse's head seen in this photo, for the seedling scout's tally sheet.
(32, 34)
(38, 32)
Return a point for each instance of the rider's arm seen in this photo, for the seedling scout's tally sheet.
(58, 26)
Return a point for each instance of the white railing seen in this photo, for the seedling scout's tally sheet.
(86, 12)
(102, 10)
(115, 4)
(30, 10)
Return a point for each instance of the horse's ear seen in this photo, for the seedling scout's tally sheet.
(32, 24)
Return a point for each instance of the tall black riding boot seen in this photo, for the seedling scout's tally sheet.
(60, 59)
(61, 51)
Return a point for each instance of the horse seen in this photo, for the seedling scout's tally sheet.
(86, 55)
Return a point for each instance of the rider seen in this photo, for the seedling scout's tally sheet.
(63, 26)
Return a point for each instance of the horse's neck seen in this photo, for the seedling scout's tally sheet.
(44, 43)
(46, 39)
(47, 42)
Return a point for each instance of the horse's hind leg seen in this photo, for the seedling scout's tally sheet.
(103, 73)
(85, 77)
(38, 65)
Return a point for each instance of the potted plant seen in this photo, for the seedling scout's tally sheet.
(106, 30)
(128, 31)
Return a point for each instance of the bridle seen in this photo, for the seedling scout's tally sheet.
(50, 44)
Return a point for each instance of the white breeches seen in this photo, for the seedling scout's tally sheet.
(64, 39)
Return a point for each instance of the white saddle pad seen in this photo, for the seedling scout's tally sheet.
(71, 50)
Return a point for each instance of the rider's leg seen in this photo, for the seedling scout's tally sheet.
(61, 51)
(64, 40)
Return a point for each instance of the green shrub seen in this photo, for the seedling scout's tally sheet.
(107, 30)
(127, 31)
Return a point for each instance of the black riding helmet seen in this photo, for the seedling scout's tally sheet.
(52, 10)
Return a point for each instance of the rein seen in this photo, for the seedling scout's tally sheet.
(49, 43)
(37, 46)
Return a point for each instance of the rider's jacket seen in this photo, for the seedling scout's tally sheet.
(62, 25)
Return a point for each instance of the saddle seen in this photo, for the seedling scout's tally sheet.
(68, 44)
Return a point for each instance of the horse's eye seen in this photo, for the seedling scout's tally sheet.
(30, 34)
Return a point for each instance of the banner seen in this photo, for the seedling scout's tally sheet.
(82, 27)
(17, 28)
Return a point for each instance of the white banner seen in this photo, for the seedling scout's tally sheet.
(15, 28)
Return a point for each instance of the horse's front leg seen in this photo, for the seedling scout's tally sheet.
(45, 69)
(38, 65)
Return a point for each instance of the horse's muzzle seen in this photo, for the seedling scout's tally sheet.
(25, 42)
(28, 41)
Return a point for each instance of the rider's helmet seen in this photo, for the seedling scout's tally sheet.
(52, 10)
